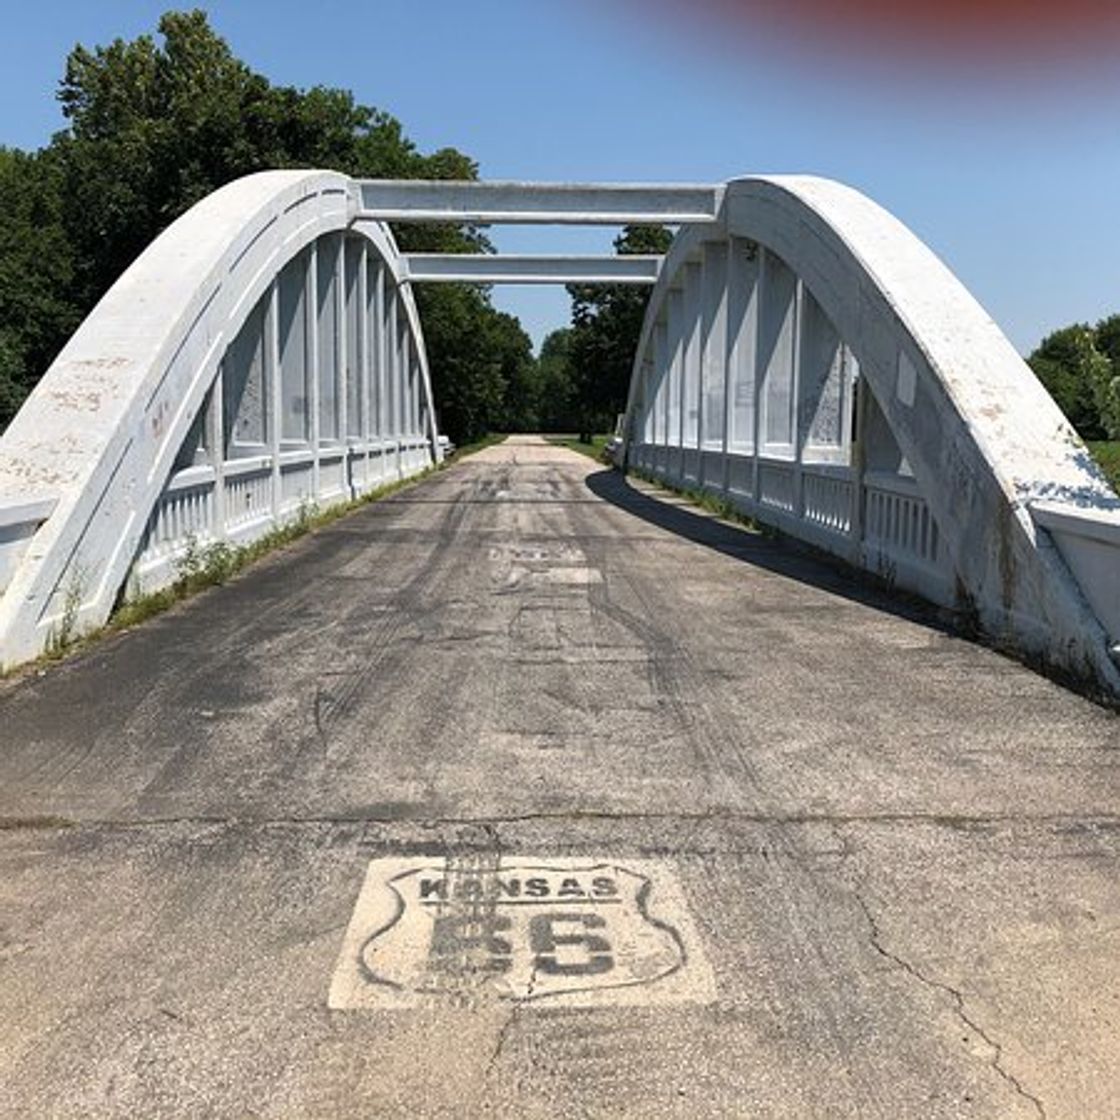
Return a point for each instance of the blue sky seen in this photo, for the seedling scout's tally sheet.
(1012, 174)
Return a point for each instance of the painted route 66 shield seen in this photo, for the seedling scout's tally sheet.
(519, 929)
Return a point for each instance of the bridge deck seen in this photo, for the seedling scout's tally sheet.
(891, 856)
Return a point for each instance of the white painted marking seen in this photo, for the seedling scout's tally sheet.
(571, 577)
(549, 931)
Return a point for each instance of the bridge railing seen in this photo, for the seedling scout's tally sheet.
(805, 356)
(877, 520)
(244, 498)
(262, 357)
(19, 522)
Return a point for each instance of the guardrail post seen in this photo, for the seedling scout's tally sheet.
(759, 374)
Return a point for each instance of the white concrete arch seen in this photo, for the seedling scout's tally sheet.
(950, 471)
(125, 452)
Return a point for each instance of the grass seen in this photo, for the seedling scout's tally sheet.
(202, 566)
(1107, 455)
(210, 565)
(705, 499)
(594, 450)
(216, 563)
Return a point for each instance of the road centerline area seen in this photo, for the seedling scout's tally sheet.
(527, 792)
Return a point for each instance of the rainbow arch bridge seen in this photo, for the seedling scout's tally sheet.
(803, 354)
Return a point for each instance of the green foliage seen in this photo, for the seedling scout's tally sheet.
(1107, 455)
(466, 377)
(154, 128)
(157, 124)
(559, 406)
(1080, 367)
(483, 373)
(36, 314)
(1107, 337)
(513, 351)
(63, 635)
(1106, 374)
(606, 325)
(202, 566)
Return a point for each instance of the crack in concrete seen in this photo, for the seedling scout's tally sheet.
(996, 1061)
(519, 1002)
(490, 828)
(50, 822)
(317, 714)
(500, 1041)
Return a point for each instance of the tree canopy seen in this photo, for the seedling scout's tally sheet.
(153, 127)
(156, 123)
(1080, 367)
(37, 311)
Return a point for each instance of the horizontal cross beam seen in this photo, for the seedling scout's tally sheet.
(406, 200)
(485, 268)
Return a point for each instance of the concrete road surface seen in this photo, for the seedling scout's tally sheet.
(530, 793)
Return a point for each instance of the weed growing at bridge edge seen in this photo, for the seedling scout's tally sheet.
(198, 567)
(716, 504)
(63, 636)
(201, 566)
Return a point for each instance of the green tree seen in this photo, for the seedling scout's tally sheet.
(520, 376)
(606, 326)
(467, 380)
(156, 127)
(153, 127)
(36, 313)
(152, 130)
(1106, 335)
(1105, 373)
(1080, 379)
(558, 405)
(483, 373)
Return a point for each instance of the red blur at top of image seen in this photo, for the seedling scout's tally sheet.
(970, 29)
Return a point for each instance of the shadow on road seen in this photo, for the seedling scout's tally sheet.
(781, 555)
